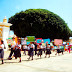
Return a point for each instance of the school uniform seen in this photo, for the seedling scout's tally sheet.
(12, 50)
(2, 51)
(24, 49)
(35, 49)
(58, 49)
(48, 50)
(17, 51)
(40, 50)
(31, 50)
(28, 48)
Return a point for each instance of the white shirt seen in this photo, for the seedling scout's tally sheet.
(19, 46)
(32, 46)
(28, 47)
(2, 46)
(13, 45)
(66, 46)
(25, 47)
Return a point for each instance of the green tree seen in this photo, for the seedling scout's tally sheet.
(39, 23)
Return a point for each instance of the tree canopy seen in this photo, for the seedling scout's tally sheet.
(39, 23)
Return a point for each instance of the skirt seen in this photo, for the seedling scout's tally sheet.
(1, 53)
(58, 50)
(31, 52)
(48, 51)
(40, 52)
(17, 53)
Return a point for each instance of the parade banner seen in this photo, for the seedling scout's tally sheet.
(58, 41)
(46, 40)
(28, 43)
(30, 39)
(38, 40)
(23, 42)
(9, 41)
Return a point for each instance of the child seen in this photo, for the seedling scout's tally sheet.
(48, 50)
(25, 48)
(12, 48)
(58, 50)
(18, 51)
(40, 50)
(31, 50)
(1, 51)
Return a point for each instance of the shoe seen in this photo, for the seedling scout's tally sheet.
(20, 61)
(2, 62)
(45, 56)
(9, 58)
(31, 59)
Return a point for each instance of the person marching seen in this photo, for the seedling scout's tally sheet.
(40, 50)
(12, 48)
(18, 50)
(31, 50)
(1, 50)
(35, 48)
(24, 48)
(48, 50)
(58, 50)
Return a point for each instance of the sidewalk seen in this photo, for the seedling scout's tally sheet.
(62, 63)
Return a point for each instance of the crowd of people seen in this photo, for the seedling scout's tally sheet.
(32, 48)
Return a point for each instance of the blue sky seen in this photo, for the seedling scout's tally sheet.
(63, 8)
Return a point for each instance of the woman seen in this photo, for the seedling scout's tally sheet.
(48, 50)
(1, 50)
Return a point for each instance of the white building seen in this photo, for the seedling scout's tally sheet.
(4, 31)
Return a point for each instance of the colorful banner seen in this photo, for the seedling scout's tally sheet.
(9, 41)
(46, 40)
(30, 39)
(28, 43)
(38, 40)
(23, 42)
(58, 41)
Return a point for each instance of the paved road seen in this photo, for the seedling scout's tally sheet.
(62, 63)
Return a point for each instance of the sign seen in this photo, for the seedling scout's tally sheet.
(38, 40)
(9, 41)
(23, 42)
(28, 43)
(58, 41)
(30, 38)
(46, 40)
